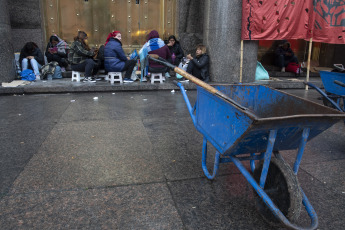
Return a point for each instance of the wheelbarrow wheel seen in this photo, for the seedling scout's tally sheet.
(283, 188)
(326, 102)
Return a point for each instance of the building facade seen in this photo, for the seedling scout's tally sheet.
(213, 23)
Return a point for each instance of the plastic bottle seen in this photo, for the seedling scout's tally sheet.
(173, 57)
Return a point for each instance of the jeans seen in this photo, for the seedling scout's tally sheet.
(34, 65)
(89, 66)
(283, 61)
(129, 66)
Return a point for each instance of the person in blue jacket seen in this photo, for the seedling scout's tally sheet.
(115, 59)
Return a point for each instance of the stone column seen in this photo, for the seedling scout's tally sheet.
(7, 72)
(190, 14)
(222, 36)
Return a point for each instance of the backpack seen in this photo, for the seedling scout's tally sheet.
(28, 75)
(293, 67)
(260, 72)
(48, 69)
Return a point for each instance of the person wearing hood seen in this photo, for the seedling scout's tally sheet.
(284, 55)
(31, 57)
(153, 45)
(115, 59)
(199, 65)
(57, 51)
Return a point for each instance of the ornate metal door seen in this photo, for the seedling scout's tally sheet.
(133, 18)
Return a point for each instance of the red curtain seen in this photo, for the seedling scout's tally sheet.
(323, 20)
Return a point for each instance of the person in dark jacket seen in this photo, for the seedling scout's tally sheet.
(199, 65)
(81, 57)
(115, 59)
(31, 57)
(175, 50)
(57, 51)
(284, 55)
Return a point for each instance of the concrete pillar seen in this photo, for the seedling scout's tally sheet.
(222, 36)
(7, 72)
(190, 19)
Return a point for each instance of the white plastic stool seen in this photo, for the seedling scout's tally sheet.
(112, 75)
(77, 75)
(157, 77)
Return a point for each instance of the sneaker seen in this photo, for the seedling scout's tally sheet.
(183, 80)
(127, 80)
(89, 79)
(167, 75)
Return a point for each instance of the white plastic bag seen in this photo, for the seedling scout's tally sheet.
(261, 73)
(182, 66)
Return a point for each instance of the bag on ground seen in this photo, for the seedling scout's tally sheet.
(293, 67)
(28, 75)
(183, 65)
(261, 73)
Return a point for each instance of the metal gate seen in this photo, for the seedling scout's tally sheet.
(133, 18)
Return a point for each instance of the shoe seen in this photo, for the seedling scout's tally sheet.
(38, 78)
(283, 69)
(183, 80)
(127, 80)
(89, 79)
(98, 79)
(144, 79)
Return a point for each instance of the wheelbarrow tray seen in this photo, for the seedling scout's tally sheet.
(233, 130)
(328, 79)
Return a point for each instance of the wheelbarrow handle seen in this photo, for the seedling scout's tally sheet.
(339, 83)
(324, 95)
(197, 81)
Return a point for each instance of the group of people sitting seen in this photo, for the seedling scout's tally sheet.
(111, 57)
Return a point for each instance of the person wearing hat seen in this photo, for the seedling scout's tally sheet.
(284, 55)
(81, 57)
(115, 59)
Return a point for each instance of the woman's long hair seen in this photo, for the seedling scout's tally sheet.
(173, 37)
(30, 47)
(81, 37)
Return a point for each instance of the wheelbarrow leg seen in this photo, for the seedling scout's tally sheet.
(252, 162)
(304, 139)
(268, 154)
(204, 160)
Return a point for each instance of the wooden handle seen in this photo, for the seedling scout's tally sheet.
(195, 80)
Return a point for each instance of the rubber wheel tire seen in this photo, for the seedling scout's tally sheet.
(284, 190)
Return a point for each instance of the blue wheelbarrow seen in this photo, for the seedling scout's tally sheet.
(252, 123)
(334, 84)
